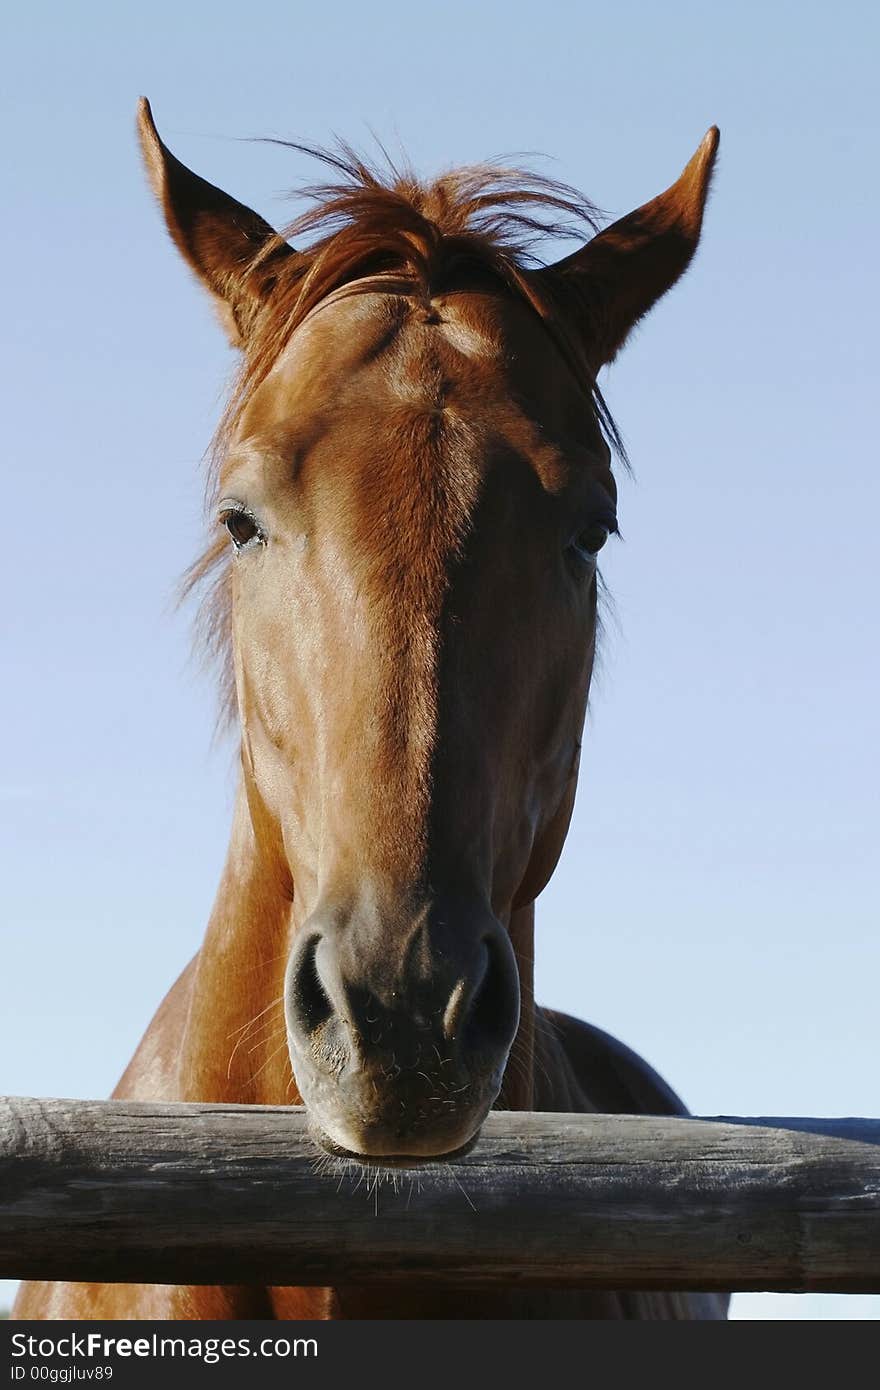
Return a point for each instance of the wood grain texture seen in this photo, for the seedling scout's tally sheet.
(125, 1191)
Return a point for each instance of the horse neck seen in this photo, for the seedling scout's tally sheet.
(235, 1043)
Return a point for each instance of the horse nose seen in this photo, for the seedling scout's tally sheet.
(469, 1000)
(399, 1039)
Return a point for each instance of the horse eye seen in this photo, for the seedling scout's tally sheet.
(590, 541)
(241, 527)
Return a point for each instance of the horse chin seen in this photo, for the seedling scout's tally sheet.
(351, 1118)
(380, 1157)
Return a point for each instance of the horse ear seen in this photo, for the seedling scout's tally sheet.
(233, 251)
(619, 275)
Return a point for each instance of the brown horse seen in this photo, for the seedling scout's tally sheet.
(413, 483)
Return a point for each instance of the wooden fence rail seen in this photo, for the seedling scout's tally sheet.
(174, 1193)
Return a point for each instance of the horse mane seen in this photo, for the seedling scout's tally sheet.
(483, 220)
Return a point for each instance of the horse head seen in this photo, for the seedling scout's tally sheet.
(413, 487)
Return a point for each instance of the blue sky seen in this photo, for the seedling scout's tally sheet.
(717, 903)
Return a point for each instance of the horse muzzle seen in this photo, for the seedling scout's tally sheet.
(399, 1038)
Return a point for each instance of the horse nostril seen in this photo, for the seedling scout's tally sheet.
(493, 1016)
(309, 1003)
(484, 1012)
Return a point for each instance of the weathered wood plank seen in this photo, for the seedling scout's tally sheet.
(123, 1191)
